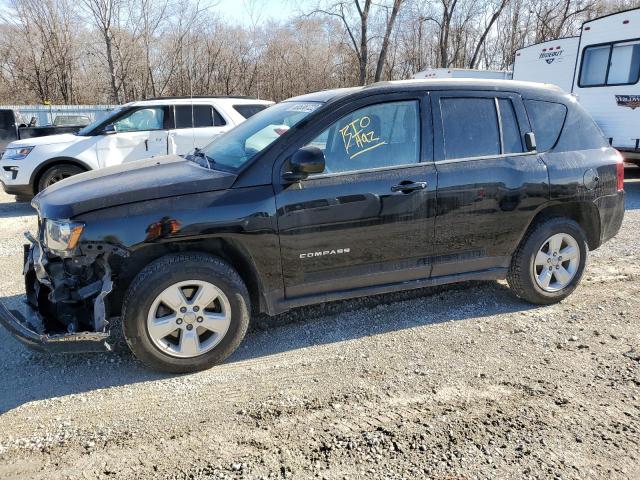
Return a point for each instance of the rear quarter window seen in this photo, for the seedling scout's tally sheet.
(547, 119)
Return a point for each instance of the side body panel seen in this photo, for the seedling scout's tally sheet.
(124, 147)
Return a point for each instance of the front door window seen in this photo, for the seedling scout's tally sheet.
(144, 119)
(382, 135)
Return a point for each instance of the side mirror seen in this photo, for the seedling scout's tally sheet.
(306, 161)
(109, 129)
(530, 141)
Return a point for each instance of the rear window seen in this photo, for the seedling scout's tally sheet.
(547, 119)
(249, 110)
(197, 116)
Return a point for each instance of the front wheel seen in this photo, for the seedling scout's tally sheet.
(185, 313)
(549, 262)
(57, 173)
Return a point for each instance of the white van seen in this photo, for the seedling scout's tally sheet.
(137, 130)
(604, 66)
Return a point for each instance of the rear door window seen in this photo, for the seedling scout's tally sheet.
(547, 119)
(470, 127)
(197, 116)
(511, 138)
(249, 110)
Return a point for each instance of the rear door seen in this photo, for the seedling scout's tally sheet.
(368, 219)
(489, 187)
(195, 126)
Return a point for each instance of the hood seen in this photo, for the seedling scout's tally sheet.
(137, 181)
(48, 140)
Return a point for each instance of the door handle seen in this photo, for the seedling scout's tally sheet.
(407, 187)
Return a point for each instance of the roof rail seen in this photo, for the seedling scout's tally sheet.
(186, 97)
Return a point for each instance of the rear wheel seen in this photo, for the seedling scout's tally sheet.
(185, 312)
(549, 262)
(57, 173)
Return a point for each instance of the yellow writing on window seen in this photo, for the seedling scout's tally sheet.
(360, 137)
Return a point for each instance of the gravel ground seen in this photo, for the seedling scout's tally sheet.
(453, 383)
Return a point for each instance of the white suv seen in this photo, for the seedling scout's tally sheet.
(134, 131)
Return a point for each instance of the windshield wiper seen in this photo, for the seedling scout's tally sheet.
(201, 158)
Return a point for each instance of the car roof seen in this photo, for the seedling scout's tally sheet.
(200, 100)
(530, 88)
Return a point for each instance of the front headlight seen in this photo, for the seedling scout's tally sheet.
(61, 236)
(16, 153)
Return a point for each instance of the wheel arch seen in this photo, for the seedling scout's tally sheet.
(229, 250)
(52, 162)
(583, 213)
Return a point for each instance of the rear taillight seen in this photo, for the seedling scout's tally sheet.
(620, 172)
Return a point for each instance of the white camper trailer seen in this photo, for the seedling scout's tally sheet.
(606, 78)
(548, 62)
(603, 64)
(462, 73)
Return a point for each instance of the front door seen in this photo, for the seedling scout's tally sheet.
(140, 133)
(489, 186)
(368, 219)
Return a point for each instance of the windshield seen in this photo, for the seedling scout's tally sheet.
(238, 146)
(87, 130)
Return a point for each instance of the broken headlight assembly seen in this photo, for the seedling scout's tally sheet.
(61, 236)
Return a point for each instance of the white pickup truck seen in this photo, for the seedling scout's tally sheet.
(137, 130)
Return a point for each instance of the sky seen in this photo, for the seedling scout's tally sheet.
(237, 11)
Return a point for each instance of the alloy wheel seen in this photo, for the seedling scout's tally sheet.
(556, 262)
(189, 318)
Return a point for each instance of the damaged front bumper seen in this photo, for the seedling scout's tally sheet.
(65, 310)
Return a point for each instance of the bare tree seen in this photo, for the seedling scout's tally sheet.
(99, 51)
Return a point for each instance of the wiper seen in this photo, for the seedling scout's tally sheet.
(198, 155)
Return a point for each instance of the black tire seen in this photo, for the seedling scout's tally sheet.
(167, 271)
(57, 173)
(521, 272)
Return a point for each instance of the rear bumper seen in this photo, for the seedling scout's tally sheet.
(611, 210)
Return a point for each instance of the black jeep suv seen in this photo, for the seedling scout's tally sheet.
(326, 196)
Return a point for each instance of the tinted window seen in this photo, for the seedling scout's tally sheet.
(546, 119)
(470, 127)
(150, 118)
(249, 110)
(381, 135)
(203, 116)
(511, 138)
(6, 119)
